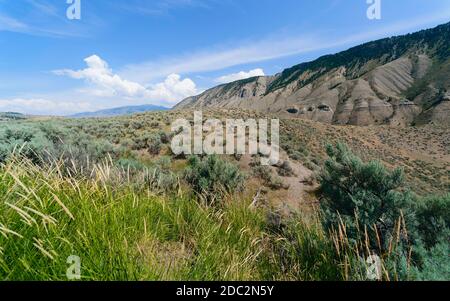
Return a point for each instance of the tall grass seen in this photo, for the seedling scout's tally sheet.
(123, 227)
(120, 231)
(304, 251)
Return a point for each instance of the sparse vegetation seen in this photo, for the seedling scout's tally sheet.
(108, 191)
(285, 169)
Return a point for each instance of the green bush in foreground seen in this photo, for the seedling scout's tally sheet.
(365, 203)
(213, 178)
(362, 196)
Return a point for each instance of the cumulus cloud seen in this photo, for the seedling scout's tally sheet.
(172, 89)
(240, 75)
(104, 83)
(38, 106)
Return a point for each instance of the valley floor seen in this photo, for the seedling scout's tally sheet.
(109, 192)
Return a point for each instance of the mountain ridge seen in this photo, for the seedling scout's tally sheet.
(398, 80)
(118, 111)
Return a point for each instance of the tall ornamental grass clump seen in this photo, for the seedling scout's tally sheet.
(118, 230)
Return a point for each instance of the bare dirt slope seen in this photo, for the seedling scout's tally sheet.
(396, 81)
(423, 152)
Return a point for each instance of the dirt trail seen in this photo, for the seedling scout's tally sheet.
(300, 192)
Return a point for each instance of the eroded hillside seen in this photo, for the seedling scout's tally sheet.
(395, 81)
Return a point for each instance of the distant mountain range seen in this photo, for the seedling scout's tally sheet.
(401, 80)
(11, 116)
(120, 111)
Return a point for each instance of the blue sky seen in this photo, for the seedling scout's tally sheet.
(159, 51)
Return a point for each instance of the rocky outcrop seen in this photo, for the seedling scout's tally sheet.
(364, 85)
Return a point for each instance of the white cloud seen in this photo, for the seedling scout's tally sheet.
(44, 7)
(173, 89)
(104, 83)
(38, 106)
(101, 76)
(10, 24)
(219, 58)
(159, 7)
(240, 75)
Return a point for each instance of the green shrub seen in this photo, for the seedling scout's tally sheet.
(162, 181)
(277, 183)
(213, 178)
(24, 140)
(136, 125)
(154, 144)
(434, 264)
(140, 142)
(366, 202)
(295, 155)
(270, 180)
(262, 172)
(433, 219)
(164, 162)
(286, 170)
(363, 197)
(165, 139)
(129, 163)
